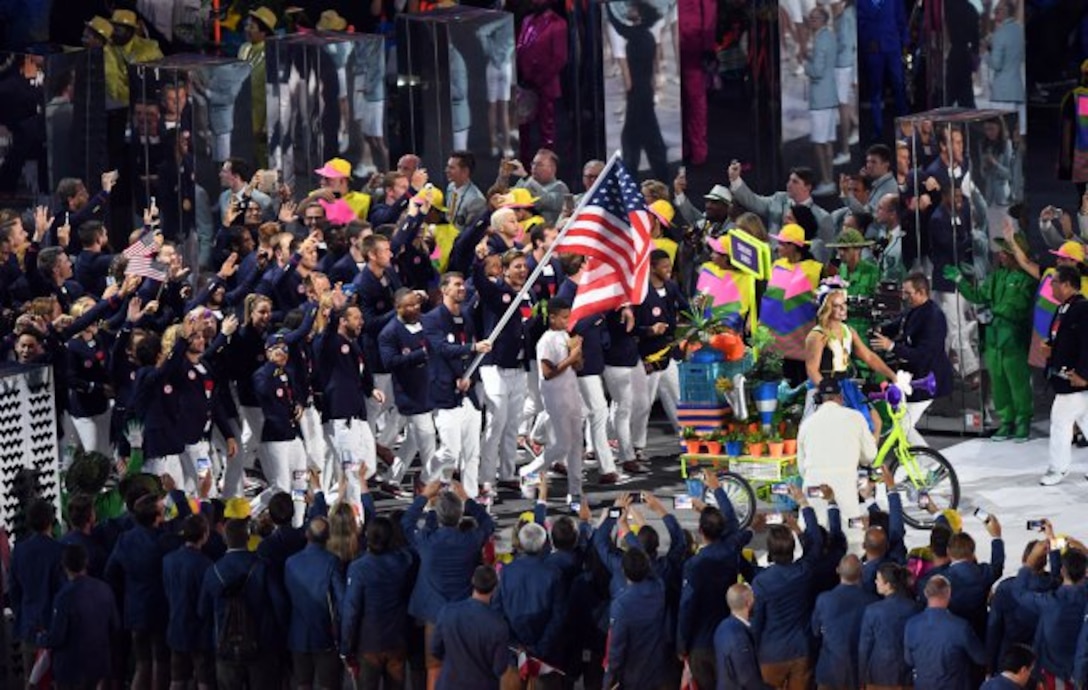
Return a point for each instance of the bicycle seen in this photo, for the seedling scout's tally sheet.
(916, 470)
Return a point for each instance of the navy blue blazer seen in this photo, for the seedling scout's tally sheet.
(315, 588)
(374, 615)
(638, 645)
(405, 355)
(36, 577)
(450, 341)
(264, 597)
(920, 343)
(135, 567)
(836, 623)
(661, 305)
(183, 572)
(1010, 622)
(510, 348)
(85, 619)
(346, 374)
(276, 394)
(472, 641)
(622, 350)
(447, 558)
(533, 600)
(91, 269)
(284, 542)
(1061, 615)
(880, 645)
(941, 647)
(96, 550)
(376, 302)
(88, 374)
(735, 661)
(971, 583)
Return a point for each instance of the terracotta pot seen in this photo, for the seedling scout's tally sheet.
(713, 447)
(775, 448)
(755, 449)
(692, 445)
(789, 446)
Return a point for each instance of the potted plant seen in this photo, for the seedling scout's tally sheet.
(707, 333)
(789, 437)
(692, 440)
(755, 443)
(713, 443)
(775, 445)
(734, 443)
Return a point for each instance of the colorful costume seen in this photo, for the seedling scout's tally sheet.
(726, 288)
(788, 307)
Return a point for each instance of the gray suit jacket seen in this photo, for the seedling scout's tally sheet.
(1006, 59)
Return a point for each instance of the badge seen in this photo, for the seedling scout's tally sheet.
(91, 344)
(168, 389)
(192, 375)
(449, 337)
(132, 376)
(415, 260)
(656, 311)
(506, 299)
(279, 392)
(406, 351)
(87, 363)
(345, 348)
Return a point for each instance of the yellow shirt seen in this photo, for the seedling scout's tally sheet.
(140, 50)
(444, 236)
(744, 282)
(359, 202)
(668, 246)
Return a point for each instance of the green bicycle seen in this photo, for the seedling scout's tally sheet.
(923, 476)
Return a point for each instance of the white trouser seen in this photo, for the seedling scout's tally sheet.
(504, 394)
(280, 459)
(313, 438)
(189, 480)
(595, 412)
(565, 412)
(666, 385)
(94, 433)
(915, 410)
(459, 430)
(419, 436)
(352, 443)
(1067, 409)
(962, 339)
(625, 385)
(166, 464)
(534, 419)
(232, 468)
(393, 422)
(252, 426)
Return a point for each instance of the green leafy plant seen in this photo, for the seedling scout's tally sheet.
(768, 358)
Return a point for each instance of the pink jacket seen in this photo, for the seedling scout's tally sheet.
(542, 53)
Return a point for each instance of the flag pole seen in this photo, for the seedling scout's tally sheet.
(516, 302)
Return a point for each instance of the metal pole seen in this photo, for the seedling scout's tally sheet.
(514, 304)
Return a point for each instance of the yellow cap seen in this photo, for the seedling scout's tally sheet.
(792, 233)
(664, 211)
(527, 517)
(237, 509)
(265, 16)
(435, 196)
(101, 26)
(331, 20)
(519, 197)
(124, 18)
(335, 169)
(1070, 250)
(955, 520)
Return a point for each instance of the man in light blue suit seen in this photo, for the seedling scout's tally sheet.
(1006, 59)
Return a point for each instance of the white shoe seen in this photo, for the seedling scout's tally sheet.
(853, 138)
(1052, 477)
(825, 189)
(841, 159)
(396, 472)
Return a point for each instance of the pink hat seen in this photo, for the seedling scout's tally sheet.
(336, 168)
(337, 212)
(717, 245)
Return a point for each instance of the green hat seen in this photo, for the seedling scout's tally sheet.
(88, 473)
(849, 238)
(1020, 239)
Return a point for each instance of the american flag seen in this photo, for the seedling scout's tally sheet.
(143, 247)
(146, 267)
(611, 229)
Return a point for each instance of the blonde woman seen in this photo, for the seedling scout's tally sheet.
(246, 354)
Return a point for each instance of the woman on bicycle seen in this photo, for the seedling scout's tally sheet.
(830, 349)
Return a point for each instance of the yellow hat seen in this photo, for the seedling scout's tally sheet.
(237, 509)
(1070, 250)
(664, 211)
(335, 169)
(527, 517)
(101, 26)
(265, 16)
(435, 196)
(124, 18)
(331, 20)
(792, 233)
(955, 520)
(519, 197)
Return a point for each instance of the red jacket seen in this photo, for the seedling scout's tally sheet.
(542, 53)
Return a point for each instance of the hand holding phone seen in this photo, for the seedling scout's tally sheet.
(982, 515)
(814, 492)
(775, 519)
(1037, 525)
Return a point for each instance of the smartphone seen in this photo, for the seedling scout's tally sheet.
(814, 492)
(203, 467)
(775, 519)
(682, 502)
(575, 507)
(683, 171)
(923, 499)
(856, 523)
(1036, 525)
(780, 489)
(982, 515)
(614, 513)
(636, 496)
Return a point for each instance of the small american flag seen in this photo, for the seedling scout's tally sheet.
(143, 247)
(612, 229)
(146, 267)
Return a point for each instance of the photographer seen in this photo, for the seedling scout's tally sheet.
(918, 340)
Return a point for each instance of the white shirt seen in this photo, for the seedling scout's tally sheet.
(553, 347)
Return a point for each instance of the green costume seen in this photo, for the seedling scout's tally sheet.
(1010, 295)
(860, 282)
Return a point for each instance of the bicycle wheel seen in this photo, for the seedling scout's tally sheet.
(940, 484)
(741, 495)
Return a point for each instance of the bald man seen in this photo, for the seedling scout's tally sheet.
(836, 621)
(735, 660)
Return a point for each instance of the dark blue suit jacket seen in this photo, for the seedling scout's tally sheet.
(472, 641)
(136, 566)
(1061, 615)
(971, 583)
(532, 598)
(315, 588)
(735, 662)
(638, 643)
(374, 615)
(36, 577)
(880, 646)
(346, 375)
(376, 303)
(264, 597)
(941, 647)
(836, 623)
(921, 344)
(84, 620)
(405, 355)
(96, 552)
(183, 572)
(450, 341)
(1009, 621)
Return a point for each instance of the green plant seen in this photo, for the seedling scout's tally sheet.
(689, 433)
(755, 437)
(768, 358)
(774, 436)
(701, 321)
(791, 429)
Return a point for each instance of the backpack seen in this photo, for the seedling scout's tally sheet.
(237, 639)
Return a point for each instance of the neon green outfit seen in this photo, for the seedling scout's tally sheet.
(860, 282)
(1010, 295)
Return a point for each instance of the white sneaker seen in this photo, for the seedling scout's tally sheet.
(841, 159)
(854, 138)
(396, 472)
(1052, 477)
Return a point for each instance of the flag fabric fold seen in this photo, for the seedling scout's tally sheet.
(611, 228)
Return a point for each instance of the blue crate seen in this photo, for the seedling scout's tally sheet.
(697, 381)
